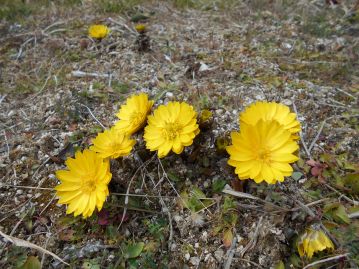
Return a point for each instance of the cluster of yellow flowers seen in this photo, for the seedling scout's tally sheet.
(84, 186)
(266, 143)
(262, 150)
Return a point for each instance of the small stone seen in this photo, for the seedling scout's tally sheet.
(287, 102)
(19, 192)
(195, 261)
(187, 256)
(196, 245)
(169, 95)
(218, 254)
(173, 247)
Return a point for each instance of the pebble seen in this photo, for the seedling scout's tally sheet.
(287, 102)
(169, 95)
(19, 192)
(218, 254)
(187, 256)
(195, 261)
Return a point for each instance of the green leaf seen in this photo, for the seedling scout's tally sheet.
(90, 265)
(133, 251)
(341, 214)
(296, 175)
(351, 181)
(279, 265)
(218, 185)
(32, 262)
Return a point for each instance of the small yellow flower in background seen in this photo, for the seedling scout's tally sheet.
(312, 241)
(171, 127)
(98, 31)
(133, 114)
(271, 111)
(84, 186)
(140, 28)
(113, 144)
(262, 151)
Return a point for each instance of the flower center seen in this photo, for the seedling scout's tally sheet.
(263, 154)
(171, 130)
(89, 185)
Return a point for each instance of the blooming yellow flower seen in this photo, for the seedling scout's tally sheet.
(271, 111)
(98, 31)
(171, 127)
(262, 152)
(133, 114)
(84, 186)
(112, 143)
(312, 241)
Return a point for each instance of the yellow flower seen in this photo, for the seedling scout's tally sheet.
(312, 241)
(112, 143)
(140, 28)
(98, 31)
(262, 152)
(271, 111)
(133, 114)
(171, 127)
(84, 186)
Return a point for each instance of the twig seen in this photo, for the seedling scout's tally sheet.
(354, 215)
(48, 204)
(317, 136)
(128, 188)
(93, 116)
(354, 202)
(326, 260)
(230, 253)
(301, 136)
(249, 196)
(253, 263)
(253, 240)
(346, 93)
(123, 25)
(81, 74)
(7, 146)
(22, 243)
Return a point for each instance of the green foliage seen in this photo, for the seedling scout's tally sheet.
(133, 250)
(116, 6)
(337, 212)
(156, 228)
(32, 262)
(195, 200)
(90, 264)
(218, 185)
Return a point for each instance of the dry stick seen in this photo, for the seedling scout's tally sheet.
(163, 204)
(253, 240)
(128, 188)
(249, 196)
(317, 136)
(354, 202)
(301, 136)
(22, 243)
(113, 193)
(48, 204)
(346, 93)
(7, 146)
(230, 253)
(326, 260)
(251, 262)
(93, 116)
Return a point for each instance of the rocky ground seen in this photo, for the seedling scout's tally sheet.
(221, 56)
